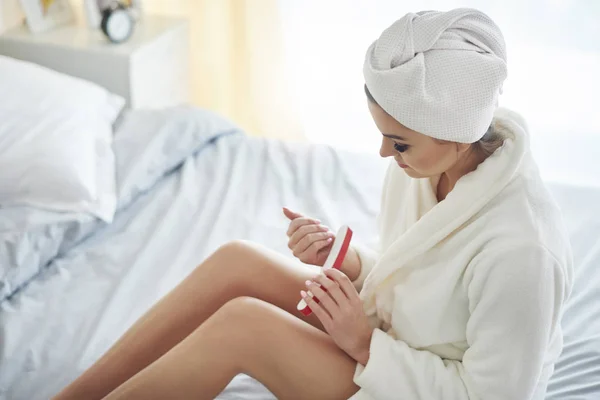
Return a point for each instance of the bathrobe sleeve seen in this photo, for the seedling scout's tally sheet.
(515, 298)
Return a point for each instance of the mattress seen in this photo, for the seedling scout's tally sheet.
(233, 187)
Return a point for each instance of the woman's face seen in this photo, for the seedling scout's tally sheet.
(419, 155)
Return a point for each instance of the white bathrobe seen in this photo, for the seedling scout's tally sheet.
(466, 295)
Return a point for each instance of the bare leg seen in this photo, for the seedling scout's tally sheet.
(236, 269)
(292, 358)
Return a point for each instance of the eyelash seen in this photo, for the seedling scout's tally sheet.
(400, 148)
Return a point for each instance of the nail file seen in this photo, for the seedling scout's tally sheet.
(334, 260)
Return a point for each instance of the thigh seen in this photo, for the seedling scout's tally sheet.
(242, 268)
(291, 358)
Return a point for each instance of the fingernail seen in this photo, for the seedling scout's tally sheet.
(303, 294)
(308, 283)
(329, 240)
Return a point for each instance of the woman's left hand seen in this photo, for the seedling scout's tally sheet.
(341, 313)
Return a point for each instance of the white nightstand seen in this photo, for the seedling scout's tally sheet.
(150, 70)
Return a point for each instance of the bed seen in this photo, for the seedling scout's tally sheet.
(189, 181)
(222, 185)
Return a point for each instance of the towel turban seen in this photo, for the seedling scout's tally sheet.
(439, 73)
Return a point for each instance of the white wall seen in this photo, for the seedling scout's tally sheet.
(553, 64)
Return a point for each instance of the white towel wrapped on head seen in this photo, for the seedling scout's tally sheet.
(439, 73)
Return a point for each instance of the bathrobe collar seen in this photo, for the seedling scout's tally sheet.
(470, 194)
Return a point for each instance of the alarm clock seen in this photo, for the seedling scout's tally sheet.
(117, 23)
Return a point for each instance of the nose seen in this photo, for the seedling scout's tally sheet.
(387, 148)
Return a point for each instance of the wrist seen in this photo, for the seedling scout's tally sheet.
(363, 358)
(363, 350)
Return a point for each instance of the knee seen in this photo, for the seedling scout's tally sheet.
(235, 249)
(246, 314)
(239, 326)
(236, 264)
(241, 257)
(242, 307)
(230, 254)
(240, 317)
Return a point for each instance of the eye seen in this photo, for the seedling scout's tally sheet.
(400, 148)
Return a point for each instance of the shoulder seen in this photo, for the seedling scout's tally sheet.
(524, 213)
(523, 216)
(524, 236)
(521, 269)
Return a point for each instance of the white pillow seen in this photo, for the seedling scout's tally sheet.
(56, 141)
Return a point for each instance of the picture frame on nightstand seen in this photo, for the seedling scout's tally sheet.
(43, 15)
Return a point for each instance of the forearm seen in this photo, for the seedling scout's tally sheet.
(362, 353)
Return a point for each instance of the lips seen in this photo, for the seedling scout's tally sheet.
(402, 165)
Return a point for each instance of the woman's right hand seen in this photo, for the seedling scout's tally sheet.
(310, 241)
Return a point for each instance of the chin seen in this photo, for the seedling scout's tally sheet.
(412, 173)
(416, 175)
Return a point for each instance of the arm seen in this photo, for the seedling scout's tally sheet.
(515, 300)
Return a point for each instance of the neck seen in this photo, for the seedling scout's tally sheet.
(448, 180)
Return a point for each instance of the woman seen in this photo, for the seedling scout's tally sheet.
(461, 301)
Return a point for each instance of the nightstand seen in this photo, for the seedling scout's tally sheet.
(150, 70)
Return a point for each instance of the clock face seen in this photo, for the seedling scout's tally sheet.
(119, 25)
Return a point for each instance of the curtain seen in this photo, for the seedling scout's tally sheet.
(237, 62)
(553, 62)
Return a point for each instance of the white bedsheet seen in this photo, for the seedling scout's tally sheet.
(65, 319)
(577, 373)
